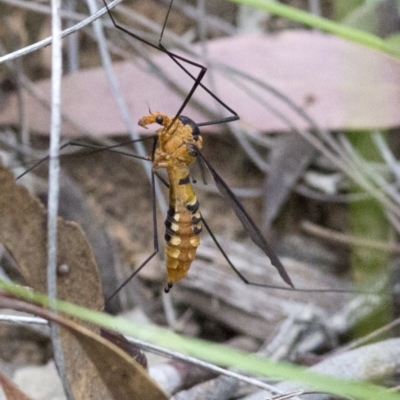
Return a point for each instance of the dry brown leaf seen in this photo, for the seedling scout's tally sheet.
(124, 344)
(11, 391)
(23, 221)
(340, 84)
(121, 377)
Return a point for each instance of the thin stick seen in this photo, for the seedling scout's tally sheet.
(54, 170)
(195, 361)
(54, 165)
(367, 338)
(349, 240)
(45, 42)
(73, 41)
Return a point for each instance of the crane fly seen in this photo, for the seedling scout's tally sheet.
(177, 145)
(177, 141)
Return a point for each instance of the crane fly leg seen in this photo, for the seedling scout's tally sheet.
(155, 242)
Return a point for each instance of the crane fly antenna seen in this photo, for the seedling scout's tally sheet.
(148, 107)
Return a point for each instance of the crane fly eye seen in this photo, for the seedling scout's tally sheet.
(159, 119)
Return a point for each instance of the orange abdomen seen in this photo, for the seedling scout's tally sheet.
(183, 227)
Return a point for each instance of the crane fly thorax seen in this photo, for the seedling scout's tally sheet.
(177, 140)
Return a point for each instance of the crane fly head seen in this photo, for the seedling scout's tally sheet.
(182, 126)
(165, 121)
(155, 118)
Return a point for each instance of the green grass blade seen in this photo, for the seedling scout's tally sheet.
(313, 21)
(211, 352)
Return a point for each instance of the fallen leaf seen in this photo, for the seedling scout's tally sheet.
(340, 84)
(124, 344)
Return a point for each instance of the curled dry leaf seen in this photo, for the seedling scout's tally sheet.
(340, 84)
(23, 222)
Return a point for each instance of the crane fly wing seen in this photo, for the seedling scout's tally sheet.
(202, 168)
(246, 221)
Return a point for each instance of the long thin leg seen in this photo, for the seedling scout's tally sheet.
(155, 242)
(165, 23)
(95, 148)
(175, 58)
(197, 81)
(247, 282)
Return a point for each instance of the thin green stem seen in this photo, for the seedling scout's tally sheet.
(313, 21)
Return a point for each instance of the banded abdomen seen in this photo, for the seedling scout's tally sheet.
(183, 226)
